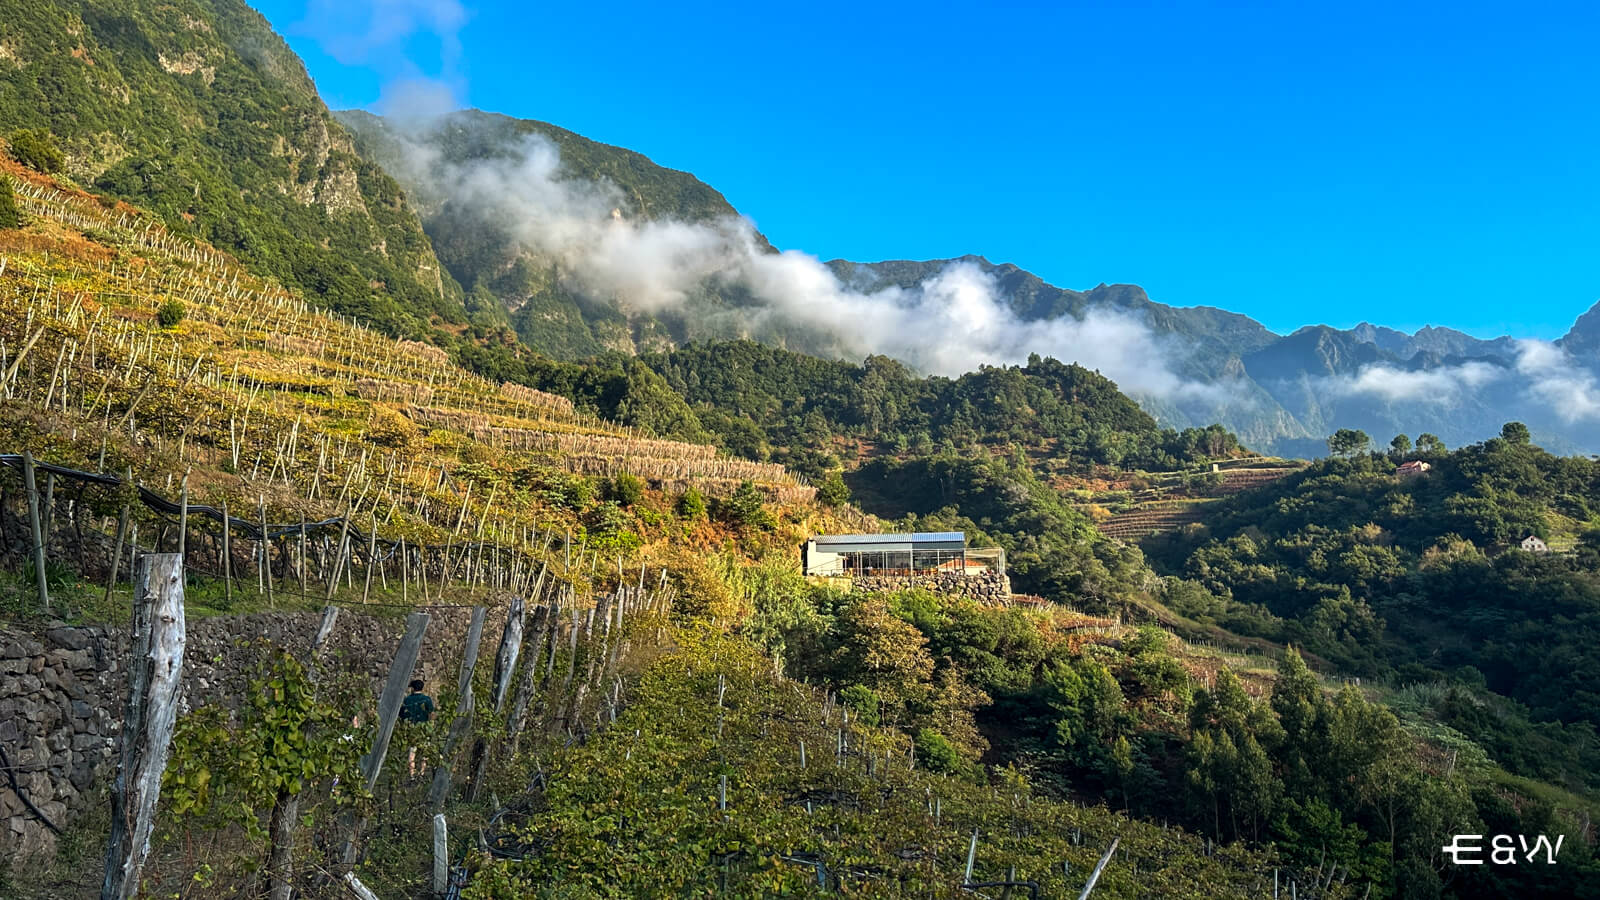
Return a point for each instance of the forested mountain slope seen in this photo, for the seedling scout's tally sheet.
(1280, 393)
(196, 110)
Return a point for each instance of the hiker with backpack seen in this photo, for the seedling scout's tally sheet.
(415, 711)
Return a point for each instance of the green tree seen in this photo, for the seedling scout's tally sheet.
(883, 653)
(832, 491)
(1348, 442)
(1429, 443)
(36, 149)
(1400, 446)
(10, 214)
(745, 508)
(170, 313)
(862, 703)
(1516, 433)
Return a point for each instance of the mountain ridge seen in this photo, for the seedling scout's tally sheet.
(1281, 393)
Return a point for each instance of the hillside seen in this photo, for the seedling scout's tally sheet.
(198, 111)
(171, 361)
(273, 406)
(453, 166)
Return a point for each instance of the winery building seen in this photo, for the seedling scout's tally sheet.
(939, 560)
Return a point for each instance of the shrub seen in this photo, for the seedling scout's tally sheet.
(625, 489)
(36, 150)
(10, 213)
(170, 313)
(862, 703)
(745, 508)
(691, 505)
(388, 428)
(935, 751)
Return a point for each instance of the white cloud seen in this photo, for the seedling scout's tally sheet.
(951, 323)
(1445, 385)
(1556, 379)
(378, 34)
(357, 33)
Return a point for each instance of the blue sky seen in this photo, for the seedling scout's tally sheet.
(1299, 163)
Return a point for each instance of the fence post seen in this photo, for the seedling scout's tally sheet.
(155, 677)
(394, 691)
(441, 855)
(440, 789)
(32, 486)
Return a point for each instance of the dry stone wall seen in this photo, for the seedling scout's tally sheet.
(63, 690)
(984, 587)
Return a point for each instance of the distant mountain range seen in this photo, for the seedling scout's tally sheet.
(1281, 393)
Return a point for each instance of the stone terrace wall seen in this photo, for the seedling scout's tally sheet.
(986, 587)
(63, 691)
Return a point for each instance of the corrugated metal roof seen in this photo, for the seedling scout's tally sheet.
(926, 537)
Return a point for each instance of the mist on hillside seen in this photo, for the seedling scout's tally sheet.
(953, 322)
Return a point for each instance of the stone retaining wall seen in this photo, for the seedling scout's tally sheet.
(985, 587)
(63, 691)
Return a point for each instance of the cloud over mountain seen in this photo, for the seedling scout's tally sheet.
(952, 322)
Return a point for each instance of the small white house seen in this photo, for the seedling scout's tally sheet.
(1533, 544)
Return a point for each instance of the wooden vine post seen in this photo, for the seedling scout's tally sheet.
(227, 556)
(30, 483)
(439, 790)
(394, 693)
(505, 663)
(154, 679)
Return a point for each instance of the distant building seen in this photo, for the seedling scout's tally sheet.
(1533, 544)
(899, 554)
(1411, 469)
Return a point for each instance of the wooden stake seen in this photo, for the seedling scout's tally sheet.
(183, 514)
(372, 557)
(266, 550)
(439, 791)
(155, 677)
(31, 485)
(1095, 875)
(339, 554)
(441, 859)
(116, 550)
(227, 555)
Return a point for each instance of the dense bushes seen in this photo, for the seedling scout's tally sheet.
(10, 212)
(762, 401)
(36, 149)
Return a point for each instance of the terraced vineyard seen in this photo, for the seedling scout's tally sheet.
(1158, 511)
(1152, 518)
(294, 409)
